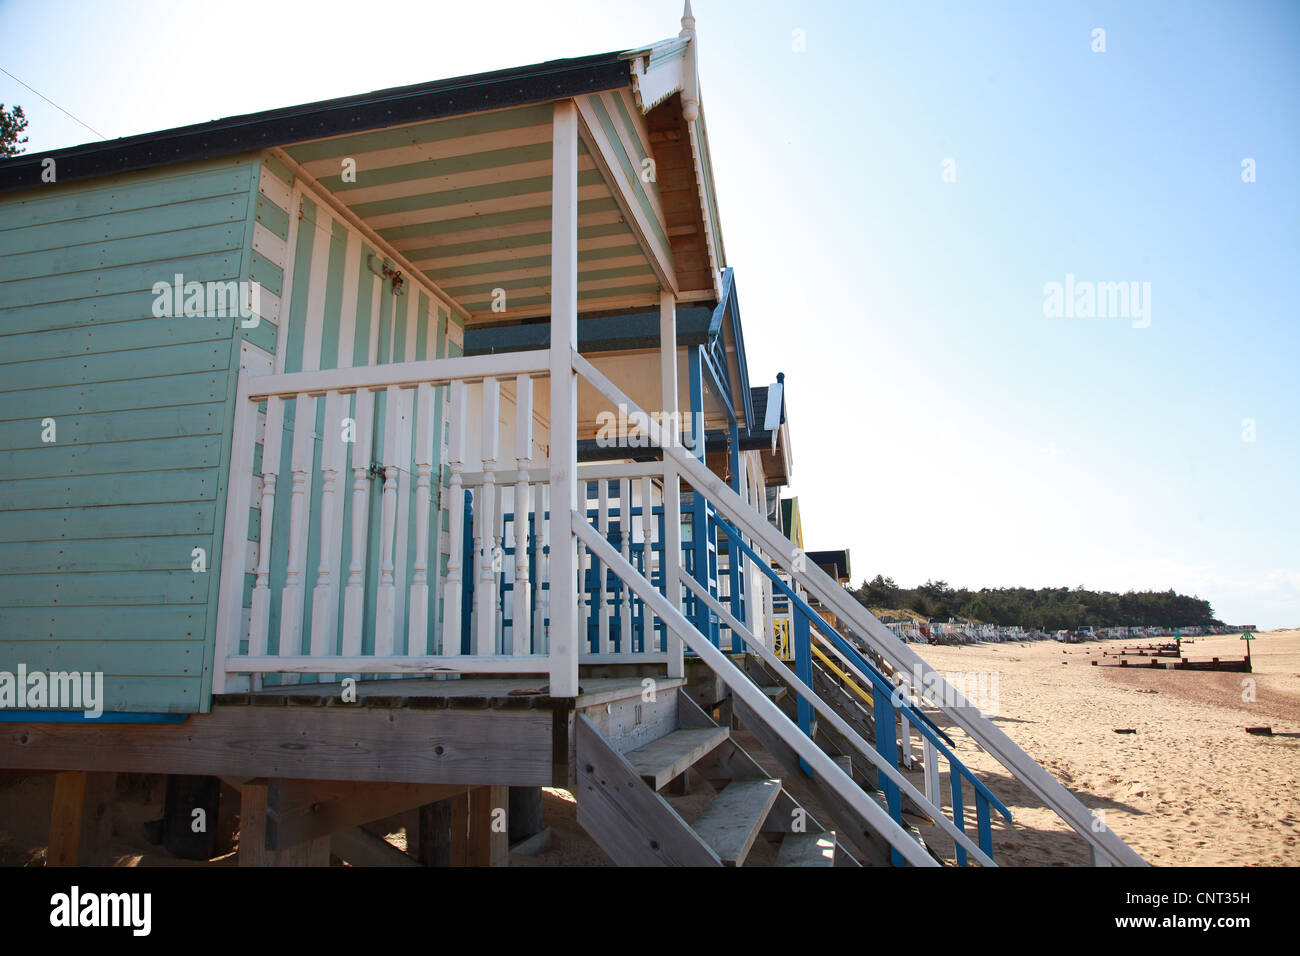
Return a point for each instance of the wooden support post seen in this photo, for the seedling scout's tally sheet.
(489, 831)
(191, 811)
(252, 836)
(564, 400)
(458, 831)
(525, 815)
(435, 833)
(680, 785)
(81, 819)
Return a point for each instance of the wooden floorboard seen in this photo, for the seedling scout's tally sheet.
(630, 822)
(665, 758)
(731, 823)
(806, 849)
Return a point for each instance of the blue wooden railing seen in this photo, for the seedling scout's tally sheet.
(703, 564)
(886, 705)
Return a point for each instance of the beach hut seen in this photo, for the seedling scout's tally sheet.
(400, 451)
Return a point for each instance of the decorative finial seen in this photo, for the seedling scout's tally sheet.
(691, 91)
(780, 377)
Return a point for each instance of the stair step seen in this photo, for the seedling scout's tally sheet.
(807, 849)
(733, 820)
(907, 823)
(776, 693)
(661, 760)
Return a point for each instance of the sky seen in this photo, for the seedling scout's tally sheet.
(898, 185)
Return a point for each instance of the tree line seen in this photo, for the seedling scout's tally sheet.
(1048, 608)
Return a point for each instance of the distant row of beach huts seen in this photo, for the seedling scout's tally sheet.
(963, 632)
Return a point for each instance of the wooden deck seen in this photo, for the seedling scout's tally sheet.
(472, 731)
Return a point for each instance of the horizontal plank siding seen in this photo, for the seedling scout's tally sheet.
(110, 517)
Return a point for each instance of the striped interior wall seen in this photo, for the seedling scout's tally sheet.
(467, 200)
(337, 313)
(98, 527)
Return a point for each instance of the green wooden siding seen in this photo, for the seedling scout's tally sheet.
(97, 528)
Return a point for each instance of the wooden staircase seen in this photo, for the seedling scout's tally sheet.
(913, 818)
(624, 770)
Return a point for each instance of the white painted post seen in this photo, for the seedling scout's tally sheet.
(584, 609)
(673, 559)
(648, 533)
(417, 640)
(324, 598)
(602, 523)
(386, 599)
(354, 595)
(625, 523)
(543, 603)
(768, 637)
(457, 397)
(234, 550)
(291, 598)
(485, 595)
(672, 489)
(930, 760)
(260, 615)
(520, 632)
(564, 399)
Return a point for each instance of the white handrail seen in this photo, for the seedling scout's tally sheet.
(838, 722)
(900, 657)
(441, 371)
(746, 690)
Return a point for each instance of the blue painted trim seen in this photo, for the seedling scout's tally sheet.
(803, 670)
(698, 437)
(887, 747)
(985, 824)
(958, 815)
(469, 571)
(878, 679)
(699, 516)
(735, 560)
(77, 717)
(720, 383)
(730, 305)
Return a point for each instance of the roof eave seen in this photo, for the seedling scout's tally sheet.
(541, 82)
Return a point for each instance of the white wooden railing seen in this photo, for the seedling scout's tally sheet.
(365, 447)
(903, 663)
(429, 525)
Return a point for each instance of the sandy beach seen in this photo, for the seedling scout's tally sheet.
(1189, 787)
